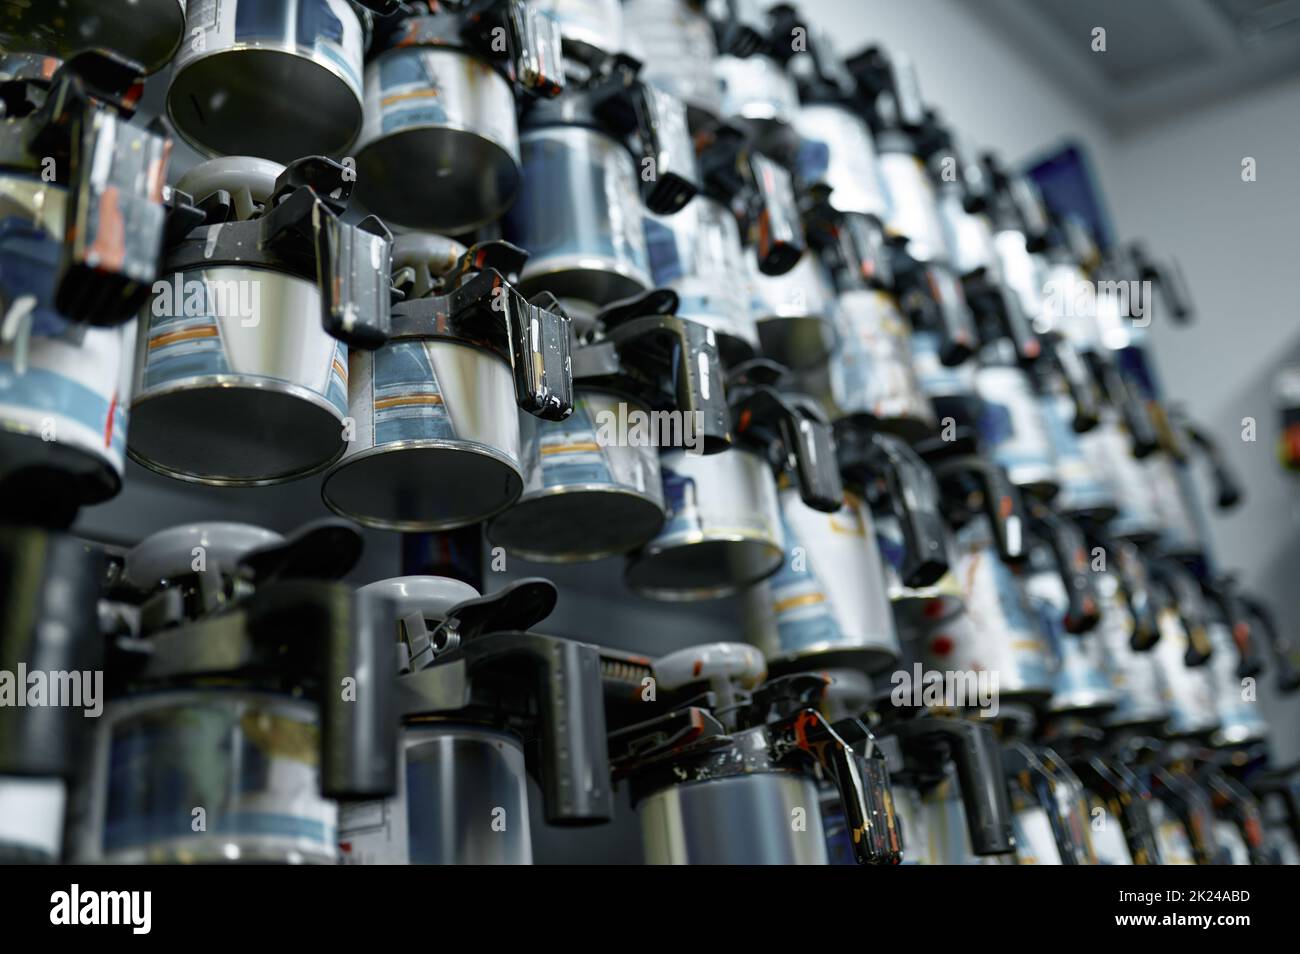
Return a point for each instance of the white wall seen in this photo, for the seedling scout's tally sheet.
(1179, 184)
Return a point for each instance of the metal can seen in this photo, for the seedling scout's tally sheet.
(64, 398)
(1135, 676)
(836, 151)
(674, 41)
(1235, 701)
(462, 798)
(1109, 451)
(1187, 690)
(968, 236)
(1083, 492)
(797, 313)
(758, 90)
(439, 149)
(1012, 427)
(872, 378)
(434, 442)
(579, 215)
(591, 27)
(738, 815)
(999, 632)
(723, 531)
(1079, 681)
(584, 497)
(913, 207)
(240, 385)
(916, 608)
(697, 253)
(826, 606)
(147, 32)
(206, 776)
(279, 79)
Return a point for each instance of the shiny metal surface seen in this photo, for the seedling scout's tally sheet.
(913, 206)
(796, 313)
(758, 90)
(439, 149)
(999, 632)
(64, 400)
(1188, 691)
(1079, 681)
(248, 69)
(969, 236)
(435, 437)
(579, 215)
(246, 389)
(146, 31)
(1134, 676)
(697, 253)
(1241, 718)
(942, 823)
(248, 760)
(740, 820)
(826, 606)
(836, 151)
(462, 799)
(872, 377)
(723, 531)
(1083, 489)
(1108, 449)
(586, 496)
(1022, 271)
(589, 26)
(1013, 428)
(674, 41)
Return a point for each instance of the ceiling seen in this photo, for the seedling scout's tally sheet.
(1161, 56)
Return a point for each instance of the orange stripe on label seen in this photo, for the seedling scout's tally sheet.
(408, 401)
(209, 331)
(567, 448)
(108, 425)
(413, 94)
(803, 599)
(340, 370)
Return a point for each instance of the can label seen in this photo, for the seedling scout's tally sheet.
(572, 453)
(323, 28)
(580, 202)
(873, 373)
(805, 615)
(690, 516)
(1081, 488)
(697, 253)
(419, 88)
(406, 399)
(1011, 422)
(252, 770)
